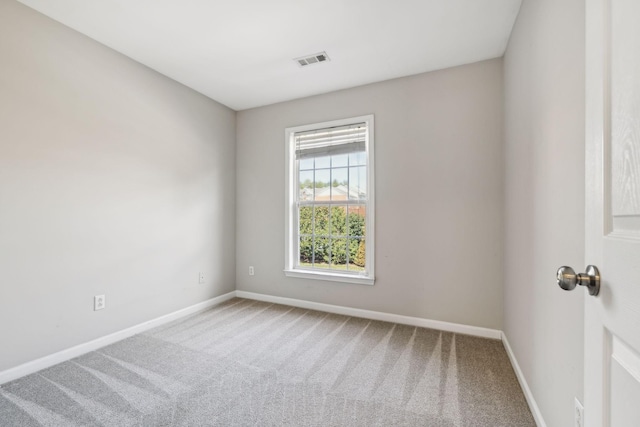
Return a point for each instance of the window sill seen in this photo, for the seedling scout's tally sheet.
(332, 277)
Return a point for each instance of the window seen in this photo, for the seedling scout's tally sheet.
(329, 215)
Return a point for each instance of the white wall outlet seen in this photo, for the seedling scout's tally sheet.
(578, 417)
(251, 271)
(99, 302)
(201, 277)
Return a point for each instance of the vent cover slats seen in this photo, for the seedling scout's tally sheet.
(312, 59)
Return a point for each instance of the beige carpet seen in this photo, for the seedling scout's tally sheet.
(248, 363)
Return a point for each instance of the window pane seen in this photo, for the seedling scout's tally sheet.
(321, 221)
(339, 180)
(322, 250)
(306, 164)
(306, 185)
(357, 221)
(339, 160)
(356, 159)
(323, 179)
(306, 251)
(323, 162)
(338, 221)
(357, 182)
(357, 255)
(305, 220)
(339, 254)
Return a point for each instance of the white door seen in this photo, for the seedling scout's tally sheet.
(612, 319)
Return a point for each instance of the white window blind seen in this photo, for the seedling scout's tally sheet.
(331, 141)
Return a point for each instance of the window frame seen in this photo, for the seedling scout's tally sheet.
(291, 268)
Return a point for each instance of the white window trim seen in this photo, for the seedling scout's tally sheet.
(291, 247)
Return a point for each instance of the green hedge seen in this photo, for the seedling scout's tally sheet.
(332, 221)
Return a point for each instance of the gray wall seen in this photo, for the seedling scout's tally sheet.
(544, 137)
(113, 180)
(439, 198)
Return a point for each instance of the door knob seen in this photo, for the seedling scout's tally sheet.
(568, 279)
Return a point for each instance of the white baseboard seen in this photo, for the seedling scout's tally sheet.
(376, 315)
(79, 350)
(533, 406)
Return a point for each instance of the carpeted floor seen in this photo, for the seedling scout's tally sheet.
(248, 363)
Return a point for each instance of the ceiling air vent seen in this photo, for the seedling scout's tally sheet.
(312, 59)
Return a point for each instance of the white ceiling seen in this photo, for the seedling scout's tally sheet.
(239, 52)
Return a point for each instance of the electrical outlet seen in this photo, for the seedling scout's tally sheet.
(201, 278)
(251, 271)
(578, 417)
(99, 302)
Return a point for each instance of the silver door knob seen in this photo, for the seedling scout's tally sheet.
(568, 279)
